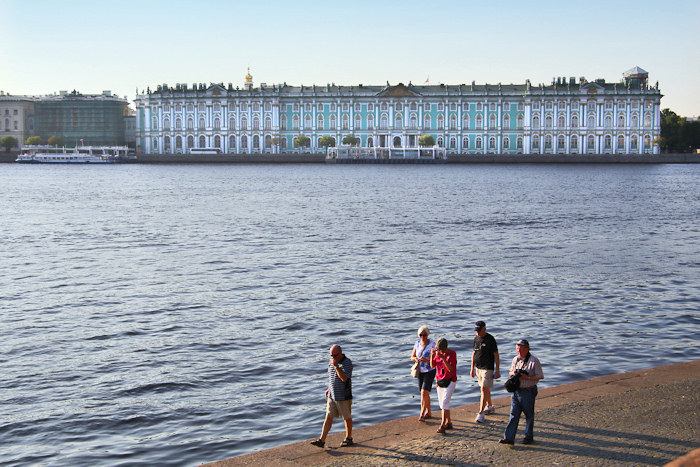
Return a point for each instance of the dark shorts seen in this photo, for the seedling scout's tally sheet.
(425, 380)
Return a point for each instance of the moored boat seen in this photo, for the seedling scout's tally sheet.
(77, 155)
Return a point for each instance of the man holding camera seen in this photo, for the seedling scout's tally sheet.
(523, 399)
(484, 358)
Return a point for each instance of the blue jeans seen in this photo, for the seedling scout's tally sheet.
(522, 401)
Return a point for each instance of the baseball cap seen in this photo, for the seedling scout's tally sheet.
(479, 325)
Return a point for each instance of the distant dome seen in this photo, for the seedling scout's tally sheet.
(248, 77)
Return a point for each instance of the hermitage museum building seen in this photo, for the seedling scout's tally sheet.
(568, 116)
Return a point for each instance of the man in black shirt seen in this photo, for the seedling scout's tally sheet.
(484, 359)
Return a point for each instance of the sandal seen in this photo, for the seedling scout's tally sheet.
(346, 442)
(448, 426)
(441, 429)
(421, 419)
(318, 443)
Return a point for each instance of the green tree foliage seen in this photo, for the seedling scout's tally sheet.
(426, 141)
(33, 140)
(326, 141)
(678, 134)
(55, 140)
(302, 141)
(8, 142)
(352, 140)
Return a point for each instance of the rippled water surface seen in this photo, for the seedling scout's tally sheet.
(178, 314)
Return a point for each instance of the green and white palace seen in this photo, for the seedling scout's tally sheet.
(568, 116)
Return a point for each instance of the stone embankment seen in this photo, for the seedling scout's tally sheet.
(645, 417)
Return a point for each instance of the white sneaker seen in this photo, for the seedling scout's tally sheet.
(489, 410)
(479, 418)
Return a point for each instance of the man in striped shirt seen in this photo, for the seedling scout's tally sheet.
(338, 396)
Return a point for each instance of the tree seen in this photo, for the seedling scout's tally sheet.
(55, 140)
(426, 141)
(8, 142)
(326, 141)
(302, 141)
(33, 141)
(352, 140)
(677, 133)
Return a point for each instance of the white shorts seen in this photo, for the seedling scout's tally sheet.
(445, 395)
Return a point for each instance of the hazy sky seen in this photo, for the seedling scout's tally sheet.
(52, 45)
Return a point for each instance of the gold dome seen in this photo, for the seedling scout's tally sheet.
(248, 77)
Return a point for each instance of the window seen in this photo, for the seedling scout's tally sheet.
(268, 106)
(178, 108)
(548, 121)
(440, 142)
(633, 142)
(370, 122)
(16, 125)
(333, 107)
(190, 141)
(620, 121)
(155, 143)
(536, 105)
(520, 106)
(574, 121)
(217, 107)
(574, 142)
(535, 122)
(370, 107)
(190, 108)
(548, 105)
(166, 124)
(426, 122)
(465, 121)
(492, 143)
(620, 143)
(232, 124)
(548, 142)
(591, 121)
(519, 142)
(635, 121)
(441, 122)
(244, 142)
(268, 123)
(608, 121)
(492, 122)
(413, 122)
(561, 121)
(217, 141)
(307, 107)
(590, 144)
(478, 142)
(453, 122)
(166, 108)
(479, 107)
(506, 122)
(358, 122)
(384, 122)
(346, 122)
(202, 142)
(201, 123)
(453, 107)
(520, 121)
(440, 107)
(256, 123)
(647, 121)
(561, 144)
(190, 124)
(319, 107)
(358, 107)
(479, 122)
(295, 122)
(217, 123)
(608, 142)
(333, 125)
(465, 142)
(427, 106)
(268, 142)
(453, 143)
(283, 122)
(536, 142)
(506, 143)
(232, 143)
(319, 123)
(307, 121)
(256, 142)
(178, 124)
(244, 123)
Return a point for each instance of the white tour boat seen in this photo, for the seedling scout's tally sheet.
(77, 155)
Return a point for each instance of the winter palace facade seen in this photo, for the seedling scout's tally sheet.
(567, 116)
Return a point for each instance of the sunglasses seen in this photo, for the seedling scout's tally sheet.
(423, 335)
(334, 354)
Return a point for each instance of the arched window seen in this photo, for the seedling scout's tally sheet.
(232, 143)
(492, 144)
(620, 143)
(190, 142)
(453, 142)
(201, 123)
(190, 124)
(590, 143)
(370, 122)
(548, 121)
(635, 121)
(384, 122)
(634, 142)
(283, 122)
(608, 142)
(506, 122)
(608, 121)
(520, 122)
(519, 143)
(478, 142)
(536, 142)
(426, 123)
(178, 142)
(621, 121)
(178, 124)
(441, 122)
(574, 121)
(217, 123)
(307, 121)
(647, 142)
(370, 142)
(244, 123)
(333, 122)
(492, 121)
(453, 122)
(268, 142)
(319, 124)
(465, 143)
(574, 142)
(268, 123)
(398, 121)
(283, 143)
(295, 122)
(561, 144)
(217, 141)
(440, 142)
(155, 143)
(506, 143)
(413, 122)
(548, 142)
(256, 123)
(591, 121)
(465, 122)
(202, 142)
(647, 121)
(154, 123)
(535, 122)
(244, 142)
(561, 121)
(166, 143)
(346, 122)
(166, 124)
(256, 142)
(358, 122)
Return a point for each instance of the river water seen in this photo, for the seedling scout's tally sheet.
(179, 314)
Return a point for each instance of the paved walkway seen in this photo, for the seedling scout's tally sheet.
(646, 417)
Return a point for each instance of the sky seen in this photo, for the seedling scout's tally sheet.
(123, 45)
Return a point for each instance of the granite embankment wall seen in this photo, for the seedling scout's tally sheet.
(312, 158)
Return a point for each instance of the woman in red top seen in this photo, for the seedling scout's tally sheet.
(445, 360)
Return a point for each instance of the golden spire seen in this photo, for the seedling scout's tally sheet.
(248, 77)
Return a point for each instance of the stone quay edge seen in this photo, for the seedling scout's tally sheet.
(643, 417)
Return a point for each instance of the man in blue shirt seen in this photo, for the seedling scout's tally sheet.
(338, 396)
